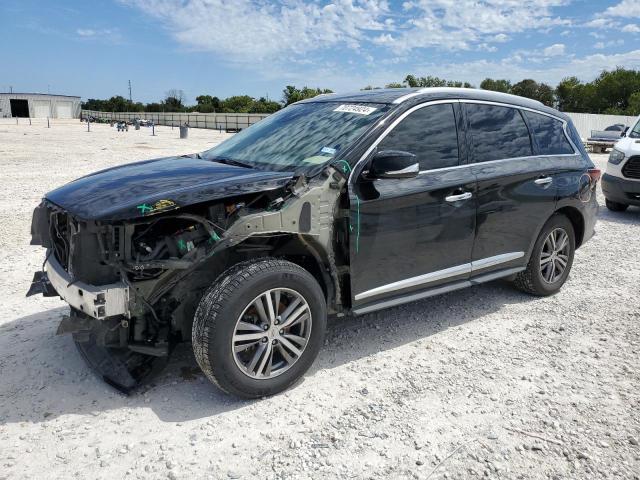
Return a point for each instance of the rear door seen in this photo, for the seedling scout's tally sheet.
(414, 233)
(516, 192)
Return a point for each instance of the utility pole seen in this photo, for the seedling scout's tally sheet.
(10, 89)
(130, 100)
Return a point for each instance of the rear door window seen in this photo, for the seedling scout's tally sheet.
(497, 132)
(430, 133)
(549, 134)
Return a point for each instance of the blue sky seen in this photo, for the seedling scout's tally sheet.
(256, 47)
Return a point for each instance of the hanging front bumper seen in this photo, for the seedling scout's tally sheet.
(96, 301)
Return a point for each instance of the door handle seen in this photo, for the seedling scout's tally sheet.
(457, 198)
(543, 180)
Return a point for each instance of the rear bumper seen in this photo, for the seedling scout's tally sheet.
(96, 301)
(621, 190)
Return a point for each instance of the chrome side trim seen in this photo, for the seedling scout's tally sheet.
(415, 281)
(412, 298)
(502, 160)
(440, 274)
(411, 95)
(489, 277)
(497, 260)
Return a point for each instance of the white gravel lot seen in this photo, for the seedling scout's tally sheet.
(484, 382)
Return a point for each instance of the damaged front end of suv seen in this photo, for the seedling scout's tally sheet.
(133, 284)
(133, 249)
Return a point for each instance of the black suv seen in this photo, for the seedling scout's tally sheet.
(341, 204)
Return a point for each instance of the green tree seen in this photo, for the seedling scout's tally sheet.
(237, 104)
(207, 104)
(537, 91)
(430, 81)
(264, 105)
(291, 94)
(614, 89)
(394, 85)
(174, 101)
(154, 107)
(115, 104)
(634, 104)
(499, 85)
(568, 95)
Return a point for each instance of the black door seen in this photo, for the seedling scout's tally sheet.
(416, 233)
(19, 108)
(516, 191)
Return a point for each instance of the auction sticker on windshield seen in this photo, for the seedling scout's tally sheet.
(359, 109)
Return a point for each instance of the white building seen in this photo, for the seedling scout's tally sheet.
(39, 105)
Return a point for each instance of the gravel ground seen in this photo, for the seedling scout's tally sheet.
(485, 382)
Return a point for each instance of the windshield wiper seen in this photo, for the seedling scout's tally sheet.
(231, 161)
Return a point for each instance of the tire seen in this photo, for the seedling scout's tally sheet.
(237, 295)
(615, 206)
(538, 279)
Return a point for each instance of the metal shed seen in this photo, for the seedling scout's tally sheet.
(39, 105)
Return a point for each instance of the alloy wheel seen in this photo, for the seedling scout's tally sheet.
(271, 333)
(555, 255)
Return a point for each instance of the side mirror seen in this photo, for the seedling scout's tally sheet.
(394, 164)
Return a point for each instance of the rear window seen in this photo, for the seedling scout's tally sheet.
(549, 134)
(497, 133)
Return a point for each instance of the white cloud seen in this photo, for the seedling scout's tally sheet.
(254, 30)
(586, 68)
(599, 23)
(250, 30)
(98, 33)
(626, 8)
(554, 50)
(631, 28)
(500, 38)
(610, 43)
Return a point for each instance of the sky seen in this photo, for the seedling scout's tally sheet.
(256, 47)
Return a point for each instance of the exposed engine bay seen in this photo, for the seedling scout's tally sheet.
(133, 285)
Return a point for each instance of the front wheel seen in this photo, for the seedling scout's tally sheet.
(551, 258)
(259, 328)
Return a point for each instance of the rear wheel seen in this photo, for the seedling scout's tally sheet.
(615, 206)
(551, 259)
(260, 327)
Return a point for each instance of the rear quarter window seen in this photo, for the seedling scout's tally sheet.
(497, 133)
(549, 134)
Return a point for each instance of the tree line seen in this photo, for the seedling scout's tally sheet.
(615, 92)
(174, 101)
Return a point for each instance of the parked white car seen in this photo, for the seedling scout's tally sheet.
(621, 182)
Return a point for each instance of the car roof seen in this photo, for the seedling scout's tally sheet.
(399, 96)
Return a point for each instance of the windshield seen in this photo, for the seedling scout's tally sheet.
(299, 136)
(635, 131)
